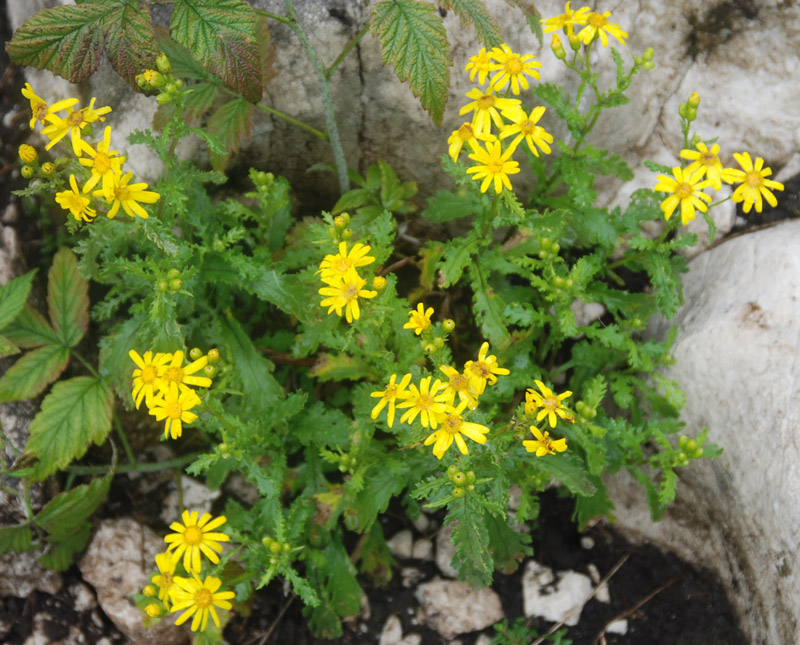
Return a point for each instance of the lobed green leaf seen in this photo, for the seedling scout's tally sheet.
(231, 123)
(13, 297)
(67, 298)
(474, 12)
(66, 512)
(30, 329)
(16, 539)
(32, 373)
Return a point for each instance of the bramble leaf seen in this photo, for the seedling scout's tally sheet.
(30, 329)
(60, 556)
(32, 373)
(65, 513)
(221, 34)
(7, 348)
(13, 297)
(414, 40)
(231, 124)
(130, 41)
(76, 413)
(532, 16)
(474, 12)
(16, 539)
(67, 298)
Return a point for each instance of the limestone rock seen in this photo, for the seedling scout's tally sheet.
(445, 550)
(554, 597)
(452, 608)
(401, 544)
(22, 574)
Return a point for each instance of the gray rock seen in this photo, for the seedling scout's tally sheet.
(196, 497)
(22, 574)
(445, 550)
(452, 607)
(423, 549)
(554, 597)
(401, 544)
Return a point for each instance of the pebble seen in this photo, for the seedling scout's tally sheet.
(554, 598)
(453, 607)
(401, 544)
(423, 549)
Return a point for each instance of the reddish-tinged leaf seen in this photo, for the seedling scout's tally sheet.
(231, 124)
(266, 51)
(32, 373)
(30, 329)
(130, 41)
(67, 298)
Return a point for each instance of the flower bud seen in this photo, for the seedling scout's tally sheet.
(648, 54)
(439, 342)
(574, 42)
(163, 99)
(451, 472)
(153, 610)
(694, 100)
(213, 355)
(149, 591)
(163, 64)
(449, 324)
(162, 285)
(176, 284)
(648, 65)
(48, 168)
(27, 153)
(27, 171)
(459, 492)
(173, 273)
(209, 371)
(691, 113)
(195, 353)
(379, 283)
(267, 541)
(347, 233)
(558, 48)
(459, 478)
(341, 222)
(430, 348)
(153, 78)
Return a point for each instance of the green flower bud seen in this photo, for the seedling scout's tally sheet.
(545, 242)
(48, 168)
(27, 171)
(697, 453)
(213, 355)
(223, 448)
(170, 88)
(690, 446)
(149, 591)
(430, 348)
(195, 353)
(347, 233)
(459, 492)
(558, 48)
(694, 100)
(682, 110)
(286, 547)
(459, 478)
(574, 42)
(682, 440)
(558, 281)
(274, 547)
(209, 371)
(449, 324)
(162, 285)
(340, 222)
(648, 53)
(470, 477)
(648, 65)
(451, 472)
(163, 99)
(543, 255)
(439, 342)
(163, 64)
(555, 248)
(176, 284)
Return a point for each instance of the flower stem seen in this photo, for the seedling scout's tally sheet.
(138, 467)
(282, 115)
(125, 445)
(332, 68)
(85, 363)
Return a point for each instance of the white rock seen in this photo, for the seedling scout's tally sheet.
(401, 544)
(118, 563)
(392, 632)
(587, 542)
(423, 549)
(411, 639)
(736, 360)
(602, 594)
(84, 598)
(21, 574)
(196, 497)
(554, 598)
(409, 576)
(587, 312)
(483, 639)
(452, 607)
(42, 629)
(445, 550)
(618, 627)
(422, 522)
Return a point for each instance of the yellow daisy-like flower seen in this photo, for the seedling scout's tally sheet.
(524, 126)
(343, 293)
(754, 182)
(566, 20)
(427, 401)
(175, 373)
(459, 385)
(39, 106)
(147, 376)
(483, 370)
(120, 192)
(73, 123)
(174, 406)
(420, 319)
(337, 266)
(488, 108)
(707, 162)
(493, 166)
(597, 25)
(544, 445)
(479, 64)
(166, 563)
(465, 134)
(551, 404)
(390, 395)
(103, 162)
(452, 427)
(687, 190)
(199, 599)
(196, 536)
(75, 203)
(511, 69)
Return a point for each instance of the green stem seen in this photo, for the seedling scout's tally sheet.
(125, 445)
(282, 115)
(329, 72)
(274, 16)
(179, 484)
(139, 467)
(85, 363)
(327, 98)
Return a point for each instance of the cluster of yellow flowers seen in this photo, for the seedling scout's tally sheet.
(163, 381)
(593, 24)
(344, 286)
(545, 403)
(175, 593)
(103, 163)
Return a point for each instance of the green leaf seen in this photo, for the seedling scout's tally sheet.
(532, 16)
(66, 513)
(7, 348)
(414, 40)
(489, 309)
(32, 373)
(130, 41)
(13, 297)
(474, 12)
(445, 206)
(568, 471)
(457, 255)
(74, 415)
(590, 507)
(60, 556)
(320, 426)
(15, 539)
(385, 481)
(472, 559)
(30, 329)
(181, 61)
(231, 123)
(67, 298)
(221, 34)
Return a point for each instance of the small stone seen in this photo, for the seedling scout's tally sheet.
(411, 639)
(422, 523)
(410, 576)
(445, 550)
(554, 598)
(617, 627)
(22, 574)
(84, 598)
(392, 632)
(196, 497)
(423, 549)
(602, 594)
(453, 607)
(401, 544)
(587, 542)
(483, 639)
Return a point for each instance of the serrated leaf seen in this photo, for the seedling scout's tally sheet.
(15, 539)
(13, 297)
(568, 471)
(231, 123)
(66, 512)
(532, 16)
(457, 255)
(66, 40)
(180, 58)
(472, 559)
(32, 373)
(266, 50)
(413, 39)
(67, 298)
(130, 41)
(489, 309)
(474, 12)
(7, 348)
(59, 557)
(445, 206)
(75, 414)
(30, 329)
(199, 98)
(386, 480)
(221, 34)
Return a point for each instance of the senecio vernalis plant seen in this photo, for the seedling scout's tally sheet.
(346, 367)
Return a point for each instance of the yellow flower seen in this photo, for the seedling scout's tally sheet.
(483, 370)
(754, 182)
(390, 395)
(153, 610)
(420, 319)
(194, 537)
(544, 445)
(166, 563)
(104, 163)
(39, 106)
(174, 407)
(488, 108)
(597, 25)
(27, 153)
(343, 293)
(73, 123)
(511, 69)
(687, 190)
(452, 427)
(493, 166)
(458, 385)
(119, 192)
(75, 203)
(199, 599)
(566, 20)
(337, 266)
(479, 64)
(524, 126)
(425, 401)
(550, 403)
(180, 376)
(707, 162)
(465, 134)
(147, 376)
